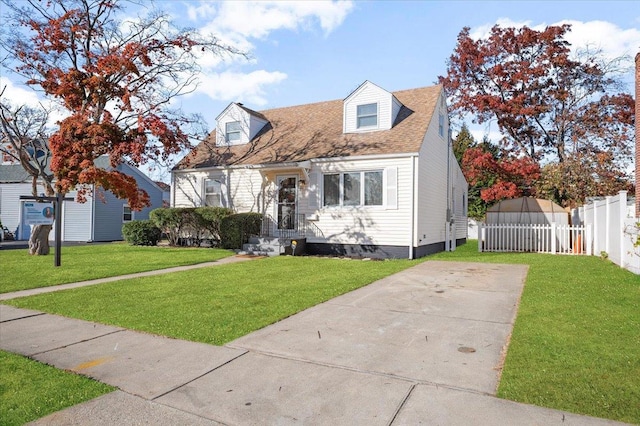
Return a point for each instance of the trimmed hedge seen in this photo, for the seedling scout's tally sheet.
(141, 233)
(236, 229)
(194, 224)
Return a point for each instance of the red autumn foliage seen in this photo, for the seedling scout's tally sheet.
(504, 177)
(549, 105)
(115, 79)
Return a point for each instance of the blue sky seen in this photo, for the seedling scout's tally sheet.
(304, 52)
(397, 45)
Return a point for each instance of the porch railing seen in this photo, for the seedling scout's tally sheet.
(289, 226)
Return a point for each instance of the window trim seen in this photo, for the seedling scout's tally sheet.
(124, 213)
(227, 132)
(362, 192)
(360, 116)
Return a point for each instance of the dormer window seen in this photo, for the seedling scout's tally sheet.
(367, 115)
(232, 131)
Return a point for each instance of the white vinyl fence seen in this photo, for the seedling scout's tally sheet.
(552, 238)
(614, 229)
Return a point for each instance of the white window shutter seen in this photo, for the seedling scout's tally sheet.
(313, 192)
(224, 191)
(391, 188)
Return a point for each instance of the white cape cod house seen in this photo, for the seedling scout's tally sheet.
(372, 175)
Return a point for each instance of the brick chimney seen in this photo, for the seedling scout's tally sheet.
(638, 135)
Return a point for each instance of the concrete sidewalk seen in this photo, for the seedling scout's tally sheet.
(423, 346)
(41, 290)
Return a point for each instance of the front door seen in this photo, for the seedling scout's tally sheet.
(287, 199)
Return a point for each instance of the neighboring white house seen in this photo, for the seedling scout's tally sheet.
(372, 175)
(100, 218)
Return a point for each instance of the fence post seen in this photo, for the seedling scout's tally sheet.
(480, 229)
(589, 239)
(622, 214)
(553, 238)
(607, 228)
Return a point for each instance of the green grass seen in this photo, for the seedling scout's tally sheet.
(576, 341)
(575, 344)
(30, 390)
(218, 304)
(20, 271)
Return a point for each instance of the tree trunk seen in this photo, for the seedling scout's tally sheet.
(39, 240)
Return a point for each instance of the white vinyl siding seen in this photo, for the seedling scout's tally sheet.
(358, 109)
(235, 126)
(386, 224)
(432, 190)
(76, 220)
(254, 190)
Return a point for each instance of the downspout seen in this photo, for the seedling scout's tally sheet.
(172, 194)
(228, 185)
(92, 218)
(414, 206)
(449, 218)
(447, 229)
(414, 210)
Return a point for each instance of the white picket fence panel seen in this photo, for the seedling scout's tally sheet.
(535, 238)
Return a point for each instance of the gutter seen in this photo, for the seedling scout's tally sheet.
(305, 164)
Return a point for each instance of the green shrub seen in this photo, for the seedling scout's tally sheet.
(141, 233)
(210, 219)
(190, 223)
(170, 221)
(236, 229)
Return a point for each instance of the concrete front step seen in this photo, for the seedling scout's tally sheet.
(263, 249)
(269, 241)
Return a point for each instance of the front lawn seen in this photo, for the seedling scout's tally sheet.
(30, 390)
(575, 344)
(218, 304)
(20, 271)
(576, 341)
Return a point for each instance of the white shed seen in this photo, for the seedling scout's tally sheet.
(527, 210)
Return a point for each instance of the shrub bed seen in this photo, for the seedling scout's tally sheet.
(195, 225)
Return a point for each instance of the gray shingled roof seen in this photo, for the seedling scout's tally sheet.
(13, 173)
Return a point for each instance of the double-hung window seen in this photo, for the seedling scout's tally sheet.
(367, 115)
(353, 189)
(127, 213)
(212, 193)
(232, 131)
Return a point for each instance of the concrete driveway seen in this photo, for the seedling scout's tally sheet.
(423, 346)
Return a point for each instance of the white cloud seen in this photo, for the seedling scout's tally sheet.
(240, 24)
(612, 40)
(257, 19)
(17, 95)
(247, 88)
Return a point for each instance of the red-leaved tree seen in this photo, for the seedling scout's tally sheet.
(549, 105)
(503, 176)
(115, 77)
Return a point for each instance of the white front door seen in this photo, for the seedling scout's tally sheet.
(287, 202)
